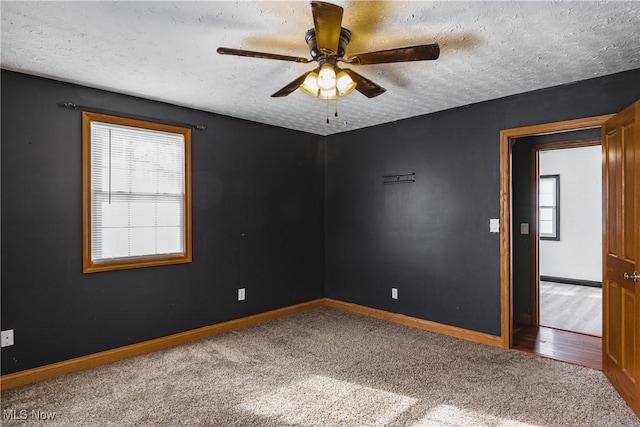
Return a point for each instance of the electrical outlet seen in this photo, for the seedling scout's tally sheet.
(241, 294)
(7, 337)
(394, 293)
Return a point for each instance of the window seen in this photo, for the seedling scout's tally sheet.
(136, 193)
(549, 205)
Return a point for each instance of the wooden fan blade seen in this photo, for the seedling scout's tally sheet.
(401, 54)
(327, 20)
(364, 85)
(291, 87)
(252, 54)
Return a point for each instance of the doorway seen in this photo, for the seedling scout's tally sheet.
(566, 234)
(507, 138)
(621, 242)
(554, 240)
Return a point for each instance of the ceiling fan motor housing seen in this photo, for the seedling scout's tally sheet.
(310, 38)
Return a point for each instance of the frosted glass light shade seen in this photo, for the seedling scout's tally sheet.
(328, 94)
(310, 84)
(344, 84)
(327, 77)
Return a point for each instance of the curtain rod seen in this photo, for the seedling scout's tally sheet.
(73, 106)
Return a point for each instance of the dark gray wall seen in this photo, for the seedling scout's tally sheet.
(431, 239)
(257, 223)
(259, 215)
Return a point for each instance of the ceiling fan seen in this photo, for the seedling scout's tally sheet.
(327, 43)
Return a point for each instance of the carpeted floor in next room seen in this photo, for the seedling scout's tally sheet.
(326, 367)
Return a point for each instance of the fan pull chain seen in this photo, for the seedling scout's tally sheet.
(336, 106)
(327, 110)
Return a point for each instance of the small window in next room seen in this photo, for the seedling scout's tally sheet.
(136, 193)
(549, 202)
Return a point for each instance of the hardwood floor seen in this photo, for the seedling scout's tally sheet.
(571, 307)
(571, 347)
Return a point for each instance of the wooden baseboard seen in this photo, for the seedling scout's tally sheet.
(85, 362)
(29, 376)
(414, 322)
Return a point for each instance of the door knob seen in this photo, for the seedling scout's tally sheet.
(634, 276)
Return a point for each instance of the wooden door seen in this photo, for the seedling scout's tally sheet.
(621, 291)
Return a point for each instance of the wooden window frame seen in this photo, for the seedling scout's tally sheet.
(88, 266)
(556, 207)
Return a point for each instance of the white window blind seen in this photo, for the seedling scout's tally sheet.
(137, 193)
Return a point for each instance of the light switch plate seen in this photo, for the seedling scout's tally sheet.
(524, 228)
(494, 225)
(6, 338)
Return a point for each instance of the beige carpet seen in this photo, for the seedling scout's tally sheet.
(326, 367)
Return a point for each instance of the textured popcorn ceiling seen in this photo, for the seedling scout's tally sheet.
(166, 51)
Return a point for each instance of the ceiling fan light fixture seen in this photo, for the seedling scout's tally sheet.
(327, 77)
(344, 83)
(327, 42)
(310, 84)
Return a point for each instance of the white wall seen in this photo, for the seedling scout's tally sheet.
(578, 254)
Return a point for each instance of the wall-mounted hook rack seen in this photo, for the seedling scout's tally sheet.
(400, 178)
